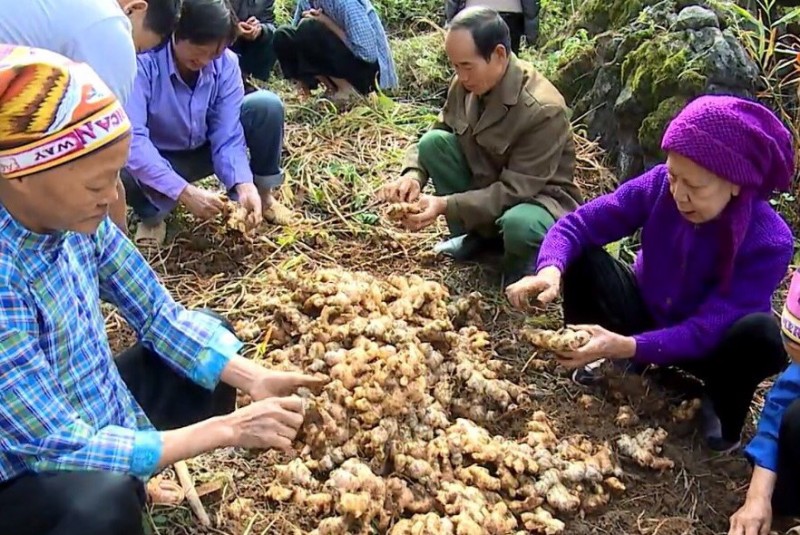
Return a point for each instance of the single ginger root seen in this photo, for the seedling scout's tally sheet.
(645, 448)
(626, 417)
(686, 411)
(560, 340)
(401, 210)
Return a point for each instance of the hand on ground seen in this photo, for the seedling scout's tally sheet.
(754, 518)
(542, 287)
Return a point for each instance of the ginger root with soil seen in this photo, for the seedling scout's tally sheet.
(398, 212)
(395, 441)
(559, 340)
(645, 449)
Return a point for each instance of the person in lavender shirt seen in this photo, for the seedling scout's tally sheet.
(191, 119)
(713, 251)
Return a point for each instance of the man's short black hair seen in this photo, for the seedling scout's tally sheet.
(487, 27)
(203, 22)
(162, 16)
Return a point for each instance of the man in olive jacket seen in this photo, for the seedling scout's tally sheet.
(501, 155)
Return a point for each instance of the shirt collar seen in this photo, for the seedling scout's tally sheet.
(172, 67)
(13, 232)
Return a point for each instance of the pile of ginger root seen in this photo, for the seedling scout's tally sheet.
(395, 441)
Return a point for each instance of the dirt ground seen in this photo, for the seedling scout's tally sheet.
(332, 175)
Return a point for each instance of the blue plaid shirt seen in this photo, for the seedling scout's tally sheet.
(63, 404)
(366, 37)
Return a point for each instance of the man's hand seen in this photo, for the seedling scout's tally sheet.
(544, 287)
(250, 29)
(312, 13)
(250, 200)
(202, 203)
(432, 207)
(404, 189)
(269, 423)
(603, 345)
(754, 518)
(276, 384)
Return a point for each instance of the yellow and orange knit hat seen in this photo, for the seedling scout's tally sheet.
(52, 111)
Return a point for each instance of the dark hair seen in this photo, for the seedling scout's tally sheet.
(204, 22)
(487, 27)
(162, 16)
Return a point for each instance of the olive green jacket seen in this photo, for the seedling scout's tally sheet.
(519, 150)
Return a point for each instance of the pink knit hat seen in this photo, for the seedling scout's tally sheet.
(790, 319)
(739, 140)
(742, 142)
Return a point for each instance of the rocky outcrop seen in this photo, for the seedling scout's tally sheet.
(633, 64)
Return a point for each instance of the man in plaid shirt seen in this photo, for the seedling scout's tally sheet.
(79, 432)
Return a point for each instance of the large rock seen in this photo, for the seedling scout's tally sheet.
(637, 64)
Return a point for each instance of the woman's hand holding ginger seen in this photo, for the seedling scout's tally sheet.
(603, 344)
(543, 287)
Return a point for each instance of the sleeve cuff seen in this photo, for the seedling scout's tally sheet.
(763, 452)
(545, 262)
(221, 348)
(147, 447)
(648, 349)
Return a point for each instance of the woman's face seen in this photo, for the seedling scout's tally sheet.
(699, 194)
(793, 349)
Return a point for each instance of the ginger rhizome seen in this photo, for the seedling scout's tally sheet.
(396, 440)
(401, 210)
(645, 449)
(559, 340)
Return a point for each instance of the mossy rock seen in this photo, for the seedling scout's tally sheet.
(653, 126)
(658, 69)
(575, 77)
(598, 16)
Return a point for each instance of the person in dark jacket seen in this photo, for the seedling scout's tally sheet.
(254, 44)
(522, 17)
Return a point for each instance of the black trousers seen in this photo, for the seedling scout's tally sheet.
(104, 503)
(786, 496)
(601, 290)
(516, 27)
(310, 49)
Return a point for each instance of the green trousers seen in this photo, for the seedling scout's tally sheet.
(522, 227)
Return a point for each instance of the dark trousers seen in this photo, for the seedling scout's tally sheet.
(516, 26)
(310, 49)
(256, 58)
(786, 496)
(599, 289)
(104, 503)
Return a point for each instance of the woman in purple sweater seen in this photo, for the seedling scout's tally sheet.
(713, 251)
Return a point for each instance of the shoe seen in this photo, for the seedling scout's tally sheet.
(152, 235)
(464, 247)
(590, 375)
(721, 446)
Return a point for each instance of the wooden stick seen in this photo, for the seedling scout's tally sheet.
(191, 493)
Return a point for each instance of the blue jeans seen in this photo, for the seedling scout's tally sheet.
(262, 116)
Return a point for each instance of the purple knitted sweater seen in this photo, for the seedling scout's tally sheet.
(678, 267)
